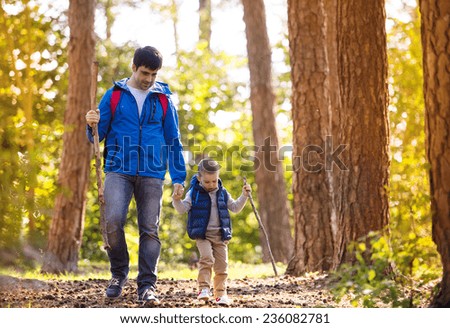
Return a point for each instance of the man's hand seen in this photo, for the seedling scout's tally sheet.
(246, 189)
(93, 117)
(178, 191)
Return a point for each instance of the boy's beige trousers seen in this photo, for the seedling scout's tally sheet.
(213, 255)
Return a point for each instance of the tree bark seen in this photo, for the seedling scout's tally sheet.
(311, 115)
(66, 230)
(363, 122)
(436, 66)
(334, 173)
(269, 175)
(341, 136)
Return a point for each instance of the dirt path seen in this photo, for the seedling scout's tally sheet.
(281, 292)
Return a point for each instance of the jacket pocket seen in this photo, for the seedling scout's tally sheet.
(109, 155)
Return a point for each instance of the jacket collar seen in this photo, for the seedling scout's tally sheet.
(158, 87)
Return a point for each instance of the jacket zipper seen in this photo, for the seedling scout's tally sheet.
(140, 137)
(209, 214)
(139, 149)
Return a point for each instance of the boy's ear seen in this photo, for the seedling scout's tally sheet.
(198, 177)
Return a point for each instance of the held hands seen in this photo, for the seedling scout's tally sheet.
(93, 117)
(246, 189)
(178, 191)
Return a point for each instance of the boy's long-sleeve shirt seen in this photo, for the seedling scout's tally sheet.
(235, 206)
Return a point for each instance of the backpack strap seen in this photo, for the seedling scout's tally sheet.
(164, 103)
(115, 98)
(117, 92)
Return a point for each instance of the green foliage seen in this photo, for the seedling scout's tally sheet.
(367, 282)
(384, 276)
(114, 63)
(32, 76)
(404, 259)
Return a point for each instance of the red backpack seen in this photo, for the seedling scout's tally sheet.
(115, 98)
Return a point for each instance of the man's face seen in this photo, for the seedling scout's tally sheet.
(209, 180)
(144, 77)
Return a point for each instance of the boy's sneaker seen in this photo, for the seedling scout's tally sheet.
(148, 295)
(115, 287)
(223, 300)
(204, 294)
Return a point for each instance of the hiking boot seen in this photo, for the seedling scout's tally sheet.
(204, 294)
(148, 295)
(115, 287)
(223, 300)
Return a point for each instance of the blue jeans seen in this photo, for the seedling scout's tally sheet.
(119, 188)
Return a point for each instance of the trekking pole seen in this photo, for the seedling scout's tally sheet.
(261, 226)
(98, 159)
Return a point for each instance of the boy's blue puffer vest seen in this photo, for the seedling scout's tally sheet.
(199, 214)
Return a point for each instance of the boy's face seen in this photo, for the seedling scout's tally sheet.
(143, 77)
(209, 180)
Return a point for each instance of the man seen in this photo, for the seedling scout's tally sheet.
(139, 123)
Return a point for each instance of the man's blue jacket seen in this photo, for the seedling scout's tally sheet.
(142, 145)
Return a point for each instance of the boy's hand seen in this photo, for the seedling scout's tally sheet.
(178, 191)
(246, 190)
(93, 117)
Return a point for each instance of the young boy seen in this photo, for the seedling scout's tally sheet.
(209, 224)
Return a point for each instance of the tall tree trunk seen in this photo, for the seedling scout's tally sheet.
(109, 15)
(339, 72)
(272, 193)
(205, 21)
(334, 118)
(363, 123)
(311, 119)
(174, 15)
(66, 230)
(436, 67)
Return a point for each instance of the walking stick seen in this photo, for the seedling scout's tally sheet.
(261, 226)
(98, 159)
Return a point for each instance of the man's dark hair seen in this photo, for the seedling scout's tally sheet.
(208, 165)
(149, 57)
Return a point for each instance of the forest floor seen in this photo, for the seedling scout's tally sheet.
(311, 291)
(276, 292)
(249, 286)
